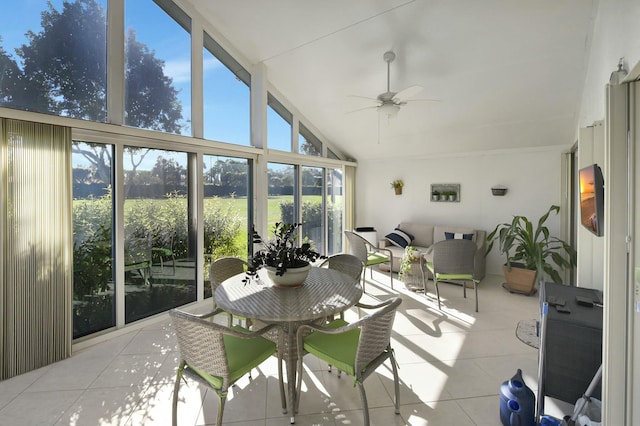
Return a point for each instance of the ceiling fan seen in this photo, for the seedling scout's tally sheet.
(388, 103)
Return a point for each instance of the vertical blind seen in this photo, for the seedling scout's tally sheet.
(36, 261)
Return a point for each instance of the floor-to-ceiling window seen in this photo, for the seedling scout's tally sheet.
(313, 223)
(334, 199)
(226, 187)
(93, 281)
(159, 262)
(282, 187)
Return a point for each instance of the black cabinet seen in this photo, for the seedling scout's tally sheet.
(573, 342)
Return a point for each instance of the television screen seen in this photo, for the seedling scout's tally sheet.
(592, 199)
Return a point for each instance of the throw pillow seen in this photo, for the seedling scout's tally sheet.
(457, 236)
(399, 238)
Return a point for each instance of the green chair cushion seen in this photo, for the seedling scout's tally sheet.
(468, 277)
(338, 350)
(376, 259)
(243, 355)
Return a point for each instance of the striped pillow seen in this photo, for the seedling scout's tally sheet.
(399, 238)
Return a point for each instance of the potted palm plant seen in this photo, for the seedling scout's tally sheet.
(531, 252)
(285, 262)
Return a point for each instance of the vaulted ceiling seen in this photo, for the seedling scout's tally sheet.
(505, 74)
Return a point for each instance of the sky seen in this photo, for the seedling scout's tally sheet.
(226, 100)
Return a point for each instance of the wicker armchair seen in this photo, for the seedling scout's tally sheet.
(222, 269)
(358, 348)
(369, 254)
(453, 261)
(345, 263)
(215, 355)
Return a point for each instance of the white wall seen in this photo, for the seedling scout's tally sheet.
(531, 176)
(616, 35)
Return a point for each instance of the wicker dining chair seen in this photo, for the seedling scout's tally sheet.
(345, 263)
(358, 348)
(453, 261)
(222, 269)
(369, 254)
(216, 355)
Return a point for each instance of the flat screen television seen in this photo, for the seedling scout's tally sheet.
(592, 199)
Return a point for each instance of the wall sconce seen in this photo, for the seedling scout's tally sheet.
(498, 190)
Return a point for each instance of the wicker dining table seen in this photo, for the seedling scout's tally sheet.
(324, 293)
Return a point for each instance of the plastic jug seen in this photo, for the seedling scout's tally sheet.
(517, 402)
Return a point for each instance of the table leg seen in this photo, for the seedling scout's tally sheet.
(291, 371)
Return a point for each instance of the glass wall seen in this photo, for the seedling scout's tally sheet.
(334, 199)
(313, 207)
(308, 143)
(226, 209)
(157, 67)
(159, 261)
(93, 283)
(60, 68)
(53, 58)
(282, 187)
(279, 121)
(226, 96)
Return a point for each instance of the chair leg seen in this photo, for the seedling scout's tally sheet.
(365, 406)
(176, 389)
(475, 289)
(296, 406)
(435, 281)
(223, 398)
(283, 398)
(396, 382)
(464, 289)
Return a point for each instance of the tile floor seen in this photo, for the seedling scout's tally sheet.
(452, 363)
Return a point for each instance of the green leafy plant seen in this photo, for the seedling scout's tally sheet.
(407, 260)
(535, 248)
(282, 251)
(397, 184)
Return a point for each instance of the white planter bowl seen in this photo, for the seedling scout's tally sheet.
(293, 277)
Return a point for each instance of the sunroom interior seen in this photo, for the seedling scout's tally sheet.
(135, 157)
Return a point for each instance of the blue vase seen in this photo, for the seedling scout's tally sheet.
(517, 402)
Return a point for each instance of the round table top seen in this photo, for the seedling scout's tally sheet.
(325, 292)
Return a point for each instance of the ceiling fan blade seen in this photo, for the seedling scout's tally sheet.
(407, 93)
(362, 109)
(364, 98)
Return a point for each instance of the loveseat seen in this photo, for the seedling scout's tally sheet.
(426, 235)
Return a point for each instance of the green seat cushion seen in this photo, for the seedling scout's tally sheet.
(455, 277)
(338, 350)
(163, 251)
(242, 355)
(376, 258)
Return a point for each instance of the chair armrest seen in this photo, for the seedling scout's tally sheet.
(241, 333)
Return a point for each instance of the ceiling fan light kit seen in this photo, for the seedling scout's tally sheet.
(388, 110)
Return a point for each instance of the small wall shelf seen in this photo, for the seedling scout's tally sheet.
(445, 192)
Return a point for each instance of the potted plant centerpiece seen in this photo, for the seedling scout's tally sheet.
(285, 262)
(531, 252)
(397, 186)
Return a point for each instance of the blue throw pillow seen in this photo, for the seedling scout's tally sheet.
(457, 236)
(399, 238)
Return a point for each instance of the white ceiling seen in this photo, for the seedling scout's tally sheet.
(509, 74)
